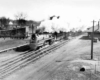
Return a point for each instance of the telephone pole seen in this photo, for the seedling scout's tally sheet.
(98, 24)
(92, 35)
(32, 28)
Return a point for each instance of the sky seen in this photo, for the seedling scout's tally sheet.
(74, 13)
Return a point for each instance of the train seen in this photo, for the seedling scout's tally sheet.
(39, 40)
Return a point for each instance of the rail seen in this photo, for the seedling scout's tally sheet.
(23, 60)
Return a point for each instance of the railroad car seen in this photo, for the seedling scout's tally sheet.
(19, 33)
(4, 33)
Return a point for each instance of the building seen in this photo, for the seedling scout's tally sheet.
(96, 31)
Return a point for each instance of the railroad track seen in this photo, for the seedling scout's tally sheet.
(22, 60)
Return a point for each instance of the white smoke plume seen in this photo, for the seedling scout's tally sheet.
(54, 25)
(62, 25)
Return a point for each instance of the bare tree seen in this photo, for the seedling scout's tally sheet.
(20, 15)
(4, 22)
(21, 19)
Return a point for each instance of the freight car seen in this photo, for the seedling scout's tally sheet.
(5, 33)
(19, 33)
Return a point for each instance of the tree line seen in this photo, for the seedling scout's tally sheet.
(20, 20)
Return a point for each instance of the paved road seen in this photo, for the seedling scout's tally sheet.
(55, 66)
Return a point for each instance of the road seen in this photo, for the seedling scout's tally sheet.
(57, 65)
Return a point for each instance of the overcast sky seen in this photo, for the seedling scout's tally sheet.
(83, 11)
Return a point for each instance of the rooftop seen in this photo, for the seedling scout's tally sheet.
(96, 29)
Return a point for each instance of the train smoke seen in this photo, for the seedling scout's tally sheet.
(56, 23)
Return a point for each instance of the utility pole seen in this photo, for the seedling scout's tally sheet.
(92, 35)
(98, 25)
(32, 28)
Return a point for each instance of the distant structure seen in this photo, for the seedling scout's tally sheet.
(96, 31)
(15, 30)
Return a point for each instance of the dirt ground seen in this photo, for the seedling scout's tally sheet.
(9, 43)
(64, 63)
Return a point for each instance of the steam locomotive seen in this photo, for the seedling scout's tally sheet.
(39, 40)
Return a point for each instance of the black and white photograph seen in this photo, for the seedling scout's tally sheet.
(49, 39)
